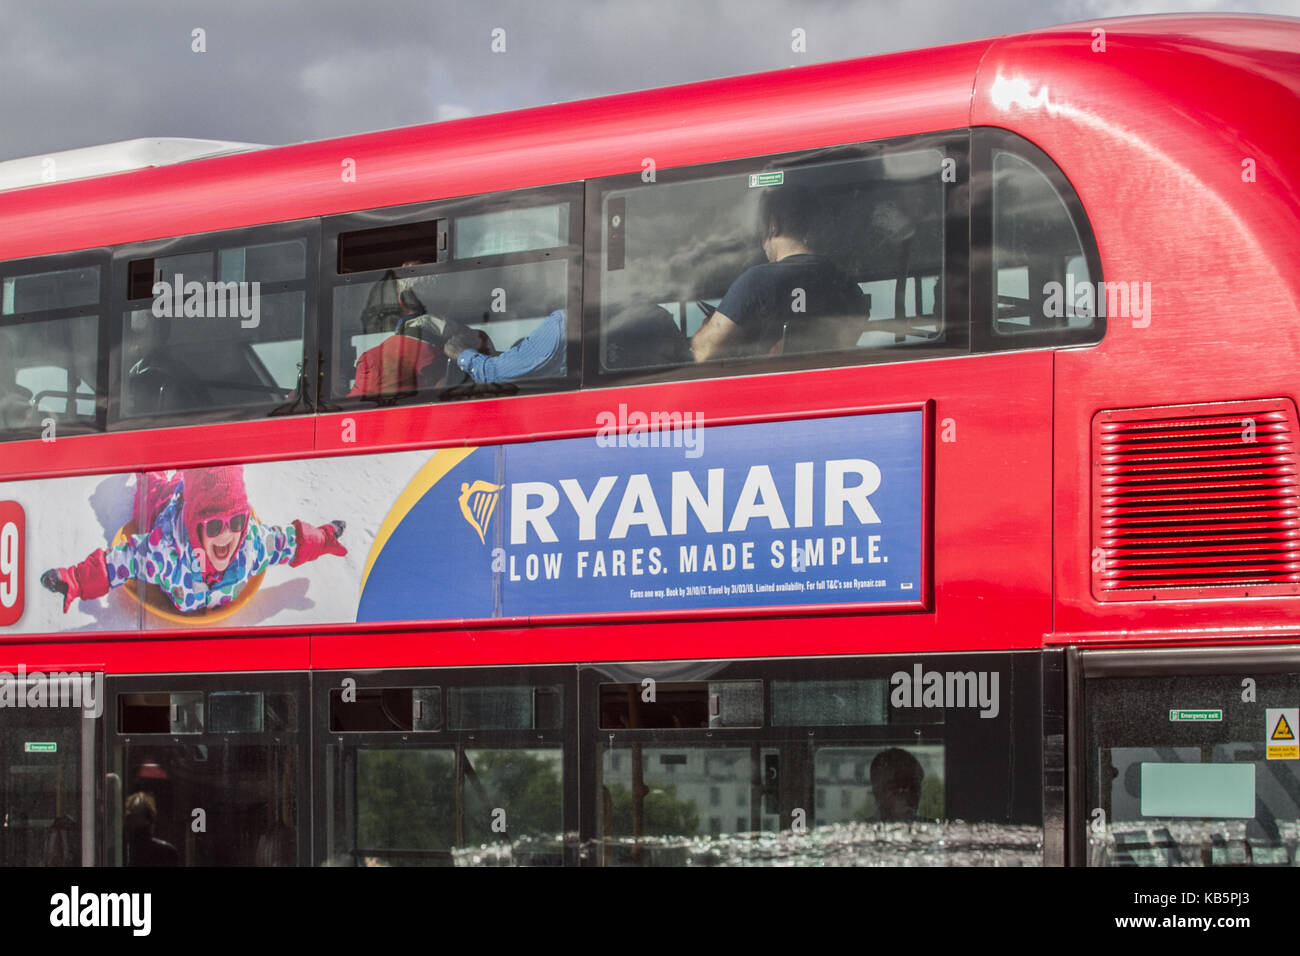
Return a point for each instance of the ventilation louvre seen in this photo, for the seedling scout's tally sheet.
(1196, 501)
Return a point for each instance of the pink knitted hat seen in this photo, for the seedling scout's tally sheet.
(212, 493)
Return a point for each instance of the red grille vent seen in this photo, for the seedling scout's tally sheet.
(1191, 500)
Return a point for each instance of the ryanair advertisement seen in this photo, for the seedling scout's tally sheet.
(779, 514)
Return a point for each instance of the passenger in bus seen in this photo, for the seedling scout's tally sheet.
(142, 847)
(413, 358)
(896, 778)
(203, 546)
(539, 355)
(407, 361)
(797, 289)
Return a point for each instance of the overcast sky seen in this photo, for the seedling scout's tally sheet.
(284, 71)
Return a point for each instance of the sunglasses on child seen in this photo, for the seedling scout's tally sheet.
(212, 527)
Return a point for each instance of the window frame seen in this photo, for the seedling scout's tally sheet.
(295, 683)
(985, 142)
(98, 258)
(564, 735)
(451, 209)
(953, 144)
(1018, 727)
(307, 230)
(1083, 665)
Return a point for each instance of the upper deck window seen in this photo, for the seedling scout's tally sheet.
(50, 291)
(512, 230)
(216, 331)
(1036, 280)
(1038, 258)
(49, 344)
(472, 299)
(837, 254)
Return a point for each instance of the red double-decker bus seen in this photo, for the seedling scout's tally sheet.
(883, 461)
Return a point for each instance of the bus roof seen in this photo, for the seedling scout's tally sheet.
(110, 158)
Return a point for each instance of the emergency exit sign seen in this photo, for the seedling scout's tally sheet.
(1196, 715)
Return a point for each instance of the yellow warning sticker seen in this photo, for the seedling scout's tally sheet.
(1280, 733)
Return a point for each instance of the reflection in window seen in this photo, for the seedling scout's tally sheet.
(1189, 792)
(1041, 276)
(512, 230)
(48, 370)
(49, 291)
(838, 252)
(880, 784)
(40, 757)
(246, 790)
(238, 755)
(808, 803)
(405, 803)
(445, 806)
(216, 329)
(391, 336)
(49, 348)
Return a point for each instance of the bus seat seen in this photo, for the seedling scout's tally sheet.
(157, 384)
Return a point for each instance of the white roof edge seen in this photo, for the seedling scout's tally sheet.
(109, 158)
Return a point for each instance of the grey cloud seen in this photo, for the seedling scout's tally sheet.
(75, 74)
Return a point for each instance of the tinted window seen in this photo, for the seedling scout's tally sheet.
(236, 748)
(837, 252)
(513, 230)
(1181, 771)
(487, 785)
(471, 300)
(923, 761)
(49, 351)
(50, 291)
(215, 332)
(1041, 274)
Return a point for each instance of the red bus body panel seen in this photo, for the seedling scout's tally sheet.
(1152, 133)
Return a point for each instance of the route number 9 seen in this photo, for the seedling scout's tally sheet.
(12, 528)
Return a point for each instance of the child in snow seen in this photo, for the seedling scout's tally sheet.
(203, 545)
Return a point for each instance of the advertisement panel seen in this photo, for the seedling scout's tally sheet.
(781, 514)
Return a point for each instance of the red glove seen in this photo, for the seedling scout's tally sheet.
(314, 542)
(87, 580)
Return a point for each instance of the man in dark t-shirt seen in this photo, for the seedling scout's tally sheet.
(797, 297)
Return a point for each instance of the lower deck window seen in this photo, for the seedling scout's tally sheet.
(1181, 771)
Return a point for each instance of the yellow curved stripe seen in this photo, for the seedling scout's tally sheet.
(433, 471)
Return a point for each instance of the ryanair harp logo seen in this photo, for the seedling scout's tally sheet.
(477, 502)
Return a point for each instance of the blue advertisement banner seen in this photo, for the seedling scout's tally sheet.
(778, 514)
